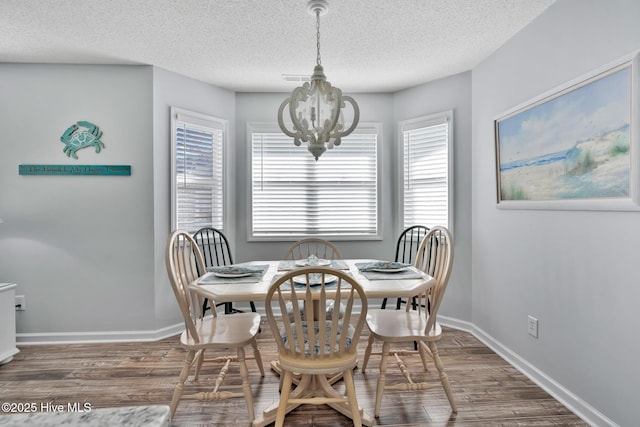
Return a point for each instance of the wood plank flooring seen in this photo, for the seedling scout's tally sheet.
(488, 391)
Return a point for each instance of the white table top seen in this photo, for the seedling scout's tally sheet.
(256, 291)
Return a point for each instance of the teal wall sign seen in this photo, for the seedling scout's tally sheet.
(74, 170)
(81, 135)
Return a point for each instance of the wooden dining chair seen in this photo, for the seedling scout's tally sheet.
(316, 349)
(216, 252)
(406, 251)
(393, 327)
(304, 248)
(210, 332)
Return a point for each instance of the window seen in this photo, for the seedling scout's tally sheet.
(427, 171)
(293, 195)
(197, 195)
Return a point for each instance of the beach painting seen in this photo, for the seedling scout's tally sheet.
(572, 145)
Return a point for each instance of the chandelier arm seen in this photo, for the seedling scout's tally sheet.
(283, 127)
(356, 118)
(297, 95)
(304, 132)
(337, 93)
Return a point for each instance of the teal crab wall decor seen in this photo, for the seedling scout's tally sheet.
(80, 135)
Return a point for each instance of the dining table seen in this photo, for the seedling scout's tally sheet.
(404, 281)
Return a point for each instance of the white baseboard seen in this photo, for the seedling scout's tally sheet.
(98, 337)
(578, 406)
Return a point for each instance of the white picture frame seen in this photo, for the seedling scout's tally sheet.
(575, 147)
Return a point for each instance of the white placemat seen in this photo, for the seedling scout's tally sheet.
(409, 273)
(286, 264)
(211, 279)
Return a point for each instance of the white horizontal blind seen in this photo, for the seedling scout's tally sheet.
(295, 195)
(198, 171)
(426, 174)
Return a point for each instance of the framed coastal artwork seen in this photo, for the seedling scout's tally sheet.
(575, 147)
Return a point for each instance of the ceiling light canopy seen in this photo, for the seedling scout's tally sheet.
(316, 108)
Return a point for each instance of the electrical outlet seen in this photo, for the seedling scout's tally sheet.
(533, 327)
(21, 303)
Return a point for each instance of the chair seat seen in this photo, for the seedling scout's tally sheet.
(330, 305)
(326, 365)
(401, 325)
(223, 330)
(327, 348)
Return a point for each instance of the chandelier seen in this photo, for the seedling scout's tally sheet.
(316, 107)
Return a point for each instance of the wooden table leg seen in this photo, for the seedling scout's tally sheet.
(310, 386)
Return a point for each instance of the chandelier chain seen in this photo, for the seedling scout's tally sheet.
(318, 61)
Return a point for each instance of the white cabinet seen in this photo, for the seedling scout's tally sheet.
(7, 322)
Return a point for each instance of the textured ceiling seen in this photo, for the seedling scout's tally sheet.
(247, 45)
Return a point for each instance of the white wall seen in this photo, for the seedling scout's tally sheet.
(77, 246)
(451, 93)
(88, 251)
(575, 271)
(173, 90)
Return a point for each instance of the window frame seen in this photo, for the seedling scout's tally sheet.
(272, 127)
(417, 123)
(203, 121)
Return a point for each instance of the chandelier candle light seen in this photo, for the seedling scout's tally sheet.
(316, 107)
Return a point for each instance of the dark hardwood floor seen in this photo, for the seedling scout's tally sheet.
(488, 391)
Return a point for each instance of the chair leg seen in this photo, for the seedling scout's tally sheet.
(367, 353)
(384, 303)
(284, 398)
(228, 308)
(253, 308)
(353, 400)
(398, 303)
(258, 356)
(246, 386)
(177, 393)
(199, 359)
(381, 378)
(280, 381)
(422, 350)
(443, 375)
